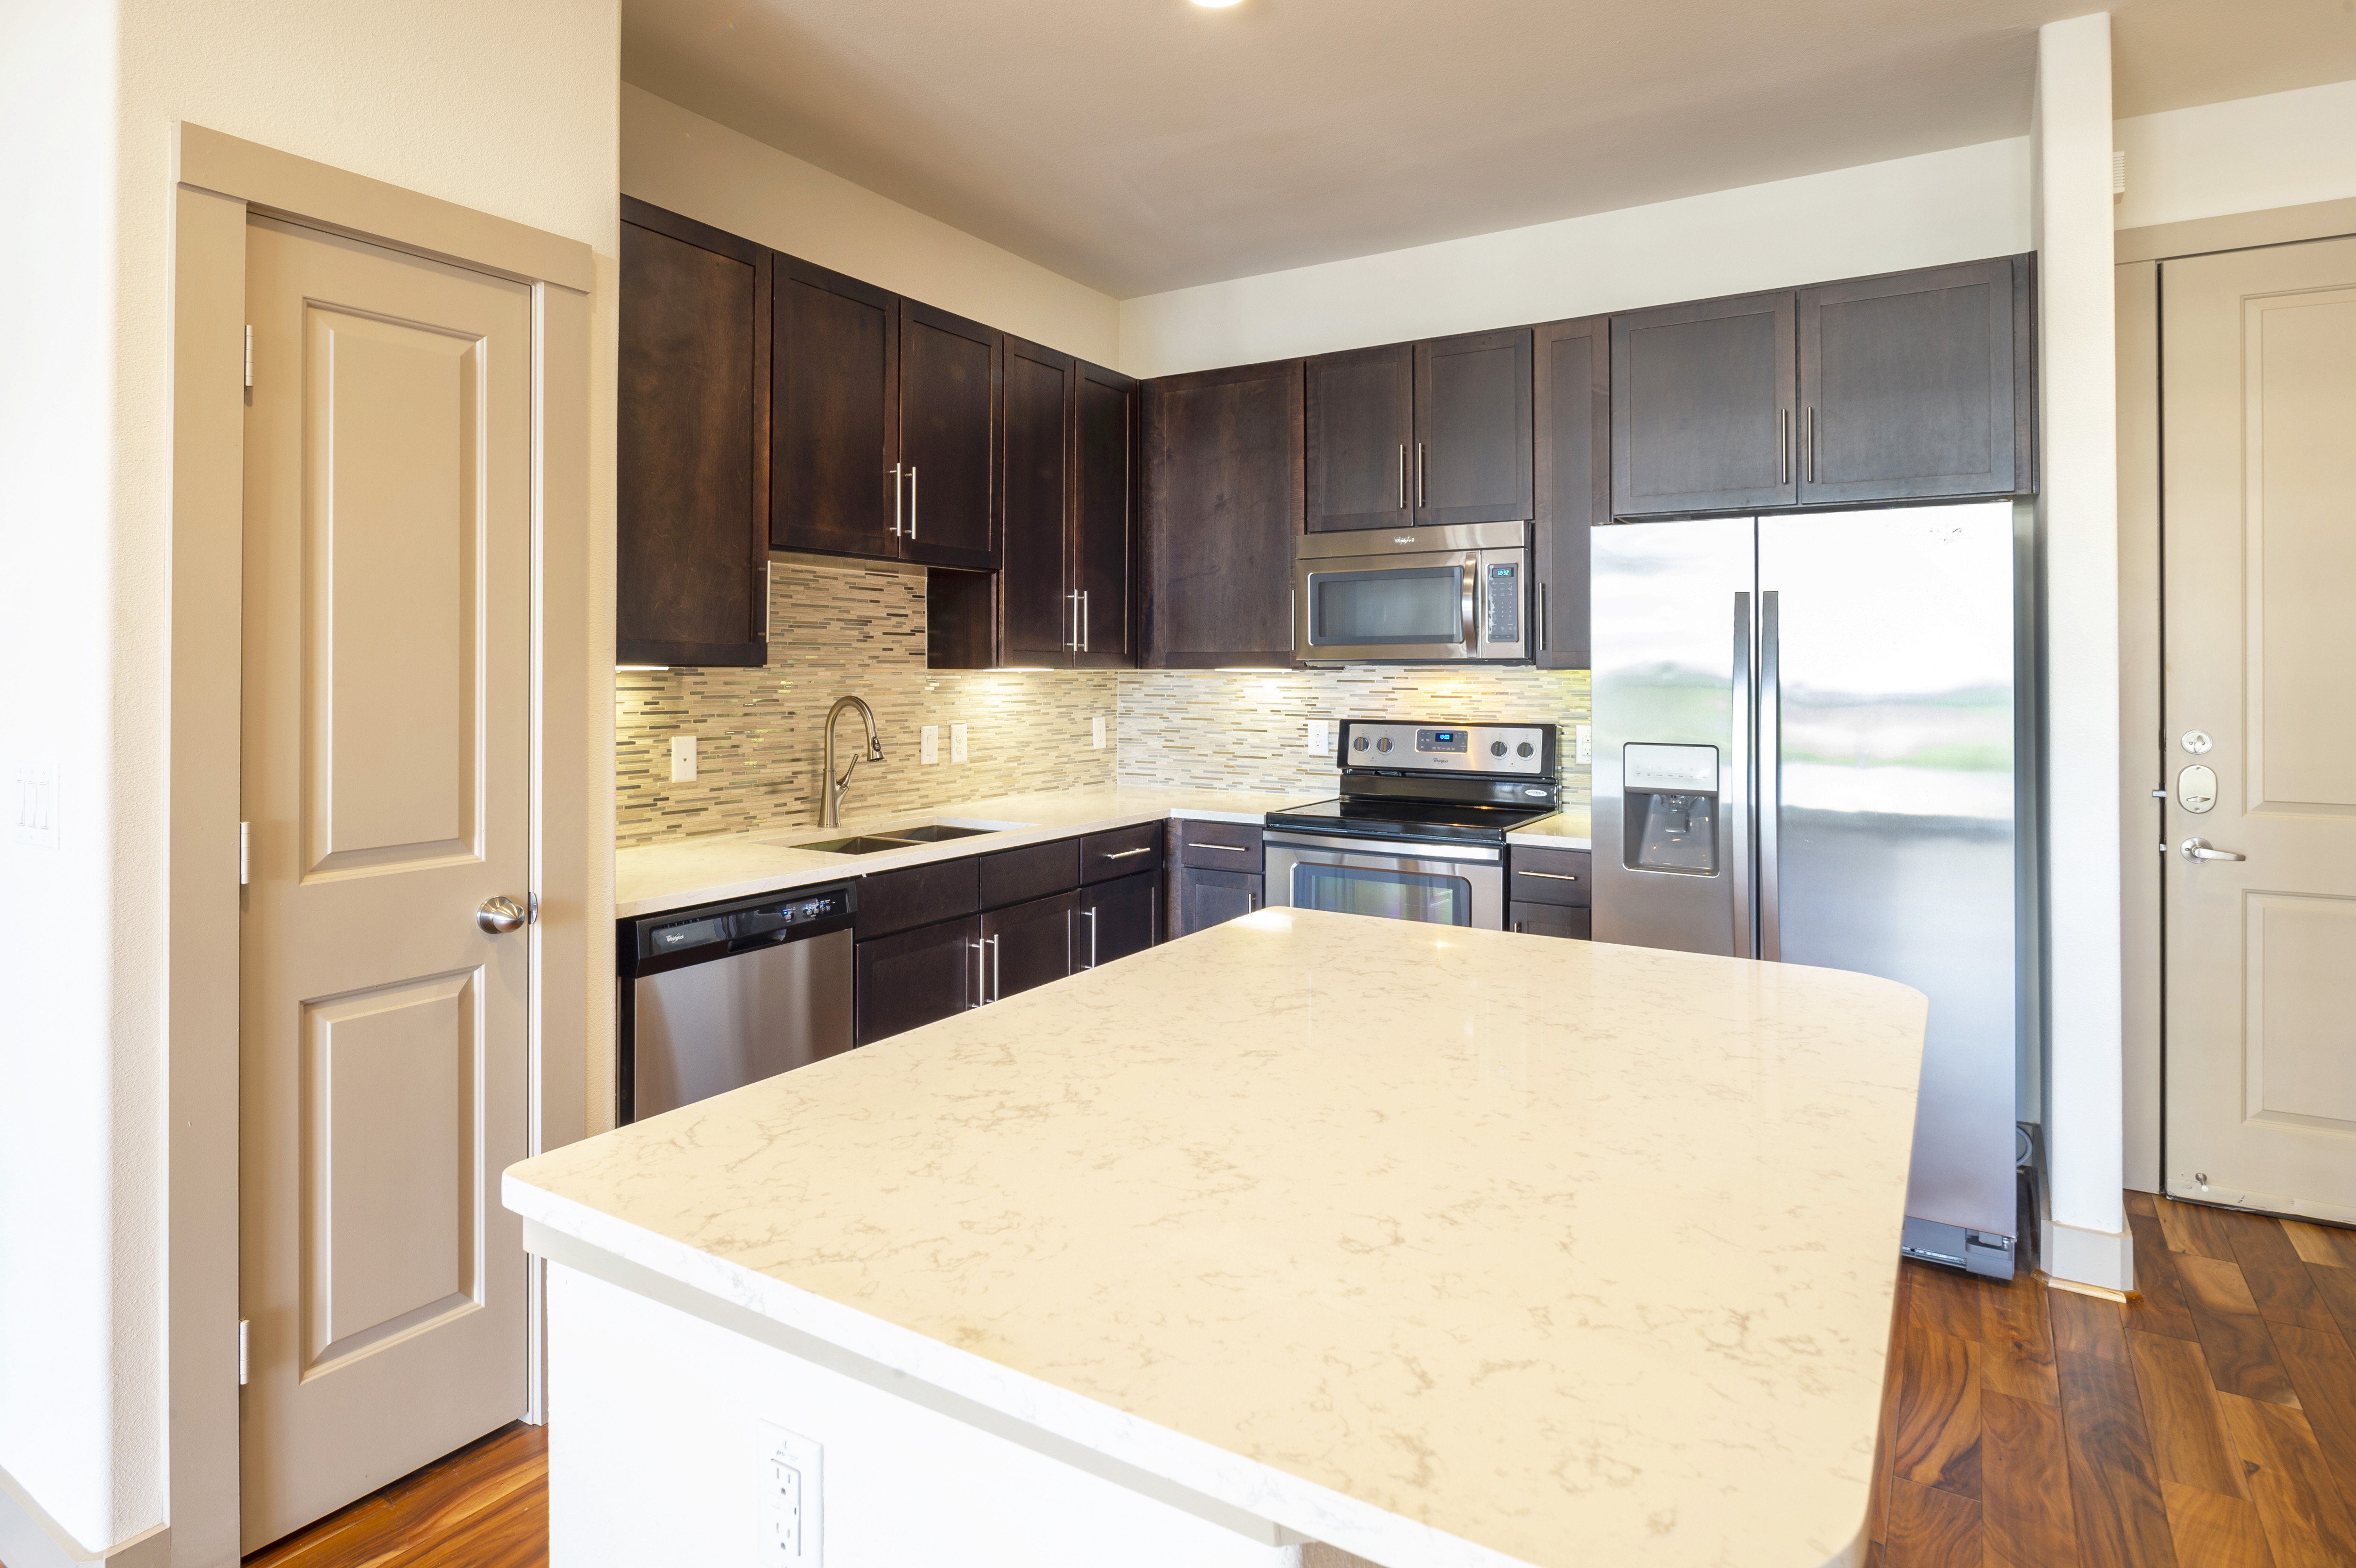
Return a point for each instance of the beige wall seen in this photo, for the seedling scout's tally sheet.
(693, 165)
(2246, 154)
(509, 109)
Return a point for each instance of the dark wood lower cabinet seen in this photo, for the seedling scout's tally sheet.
(1115, 918)
(1551, 919)
(916, 978)
(1201, 900)
(1028, 944)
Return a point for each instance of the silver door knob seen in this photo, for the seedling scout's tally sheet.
(2199, 850)
(503, 914)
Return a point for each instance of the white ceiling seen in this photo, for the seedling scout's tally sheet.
(1138, 145)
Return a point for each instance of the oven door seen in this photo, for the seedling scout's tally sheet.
(1412, 607)
(1439, 884)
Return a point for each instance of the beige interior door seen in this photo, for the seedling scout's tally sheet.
(386, 754)
(2258, 382)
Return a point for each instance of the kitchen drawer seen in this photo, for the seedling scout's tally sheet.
(1550, 876)
(1216, 845)
(1551, 919)
(1012, 876)
(1123, 852)
(897, 901)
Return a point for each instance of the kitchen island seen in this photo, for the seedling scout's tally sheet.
(1446, 1247)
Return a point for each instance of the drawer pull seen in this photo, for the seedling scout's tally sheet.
(1125, 854)
(1549, 876)
(1230, 848)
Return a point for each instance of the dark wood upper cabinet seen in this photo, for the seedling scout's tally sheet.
(1108, 423)
(832, 435)
(1702, 406)
(1908, 388)
(1038, 617)
(947, 404)
(1471, 458)
(1223, 505)
(691, 471)
(1360, 427)
(1573, 402)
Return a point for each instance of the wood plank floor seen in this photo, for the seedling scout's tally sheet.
(2211, 1423)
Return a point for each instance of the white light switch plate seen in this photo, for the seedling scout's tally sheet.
(928, 744)
(34, 805)
(1095, 733)
(793, 1500)
(683, 758)
(1585, 744)
(1319, 740)
(956, 742)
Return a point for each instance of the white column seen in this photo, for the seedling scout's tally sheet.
(2086, 1234)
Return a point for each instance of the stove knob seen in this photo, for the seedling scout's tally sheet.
(1360, 743)
(1526, 748)
(1384, 744)
(1496, 748)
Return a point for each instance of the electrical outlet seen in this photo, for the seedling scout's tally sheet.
(1583, 742)
(1320, 740)
(928, 745)
(793, 1500)
(957, 744)
(1095, 733)
(683, 758)
(37, 804)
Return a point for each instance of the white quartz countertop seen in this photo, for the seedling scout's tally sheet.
(1448, 1247)
(653, 877)
(1566, 829)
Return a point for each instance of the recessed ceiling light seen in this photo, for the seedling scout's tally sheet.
(1216, 4)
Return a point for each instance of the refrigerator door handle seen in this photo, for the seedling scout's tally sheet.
(1738, 783)
(1771, 774)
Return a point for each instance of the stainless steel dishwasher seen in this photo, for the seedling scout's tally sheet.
(723, 995)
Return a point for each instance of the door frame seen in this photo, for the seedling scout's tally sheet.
(216, 181)
(2143, 754)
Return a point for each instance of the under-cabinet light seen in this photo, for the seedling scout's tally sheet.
(655, 668)
(1016, 670)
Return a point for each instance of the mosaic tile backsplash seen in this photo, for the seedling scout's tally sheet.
(852, 629)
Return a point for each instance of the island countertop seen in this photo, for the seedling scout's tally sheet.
(1447, 1247)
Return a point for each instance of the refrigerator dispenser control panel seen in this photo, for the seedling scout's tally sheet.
(1669, 767)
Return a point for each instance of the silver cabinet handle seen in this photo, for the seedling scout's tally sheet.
(1812, 443)
(895, 500)
(1784, 445)
(1084, 620)
(1073, 642)
(1125, 854)
(1549, 876)
(980, 982)
(1092, 937)
(1419, 475)
(1472, 598)
(997, 971)
(1230, 848)
(2194, 849)
(1402, 476)
(912, 500)
(502, 914)
(1545, 632)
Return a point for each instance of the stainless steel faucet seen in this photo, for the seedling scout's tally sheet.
(830, 814)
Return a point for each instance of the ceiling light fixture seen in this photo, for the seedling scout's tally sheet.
(1216, 4)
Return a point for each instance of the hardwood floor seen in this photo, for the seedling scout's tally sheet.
(2209, 1424)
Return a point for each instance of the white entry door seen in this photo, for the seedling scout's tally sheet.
(2259, 380)
(386, 781)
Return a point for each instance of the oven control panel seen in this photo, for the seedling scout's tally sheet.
(1509, 750)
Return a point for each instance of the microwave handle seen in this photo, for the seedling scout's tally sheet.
(1472, 602)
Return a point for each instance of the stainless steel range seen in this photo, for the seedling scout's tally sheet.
(1418, 830)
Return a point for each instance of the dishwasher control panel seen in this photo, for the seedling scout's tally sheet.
(746, 920)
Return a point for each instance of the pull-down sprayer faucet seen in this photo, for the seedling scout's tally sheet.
(831, 809)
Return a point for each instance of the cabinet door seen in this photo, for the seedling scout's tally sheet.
(1702, 406)
(1201, 900)
(691, 427)
(1107, 424)
(917, 977)
(836, 342)
(1574, 480)
(1473, 428)
(1029, 944)
(1117, 918)
(1906, 386)
(1550, 920)
(1223, 499)
(1035, 583)
(1360, 422)
(948, 391)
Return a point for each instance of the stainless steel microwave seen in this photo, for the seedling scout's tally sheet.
(1413, 596)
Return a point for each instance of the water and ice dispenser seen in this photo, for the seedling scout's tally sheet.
(1671, 803)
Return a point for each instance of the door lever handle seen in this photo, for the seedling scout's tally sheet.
(2199, 849)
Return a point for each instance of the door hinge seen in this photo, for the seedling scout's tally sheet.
(244, 853)
(249, 356)
(243, 1323)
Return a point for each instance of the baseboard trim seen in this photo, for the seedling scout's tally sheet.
(29, 1538)
(2073, 1256)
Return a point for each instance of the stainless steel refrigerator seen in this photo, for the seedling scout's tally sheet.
(1811, 747)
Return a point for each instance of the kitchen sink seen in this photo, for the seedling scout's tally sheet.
(865, 844)
(938, 832)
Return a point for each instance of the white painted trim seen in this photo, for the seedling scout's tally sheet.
(2073, 1256)
(2142, 767)
(29, 1538)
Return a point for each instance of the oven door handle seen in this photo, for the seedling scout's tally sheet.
(1386, 848)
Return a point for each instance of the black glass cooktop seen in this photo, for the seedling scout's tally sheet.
(1388, 816)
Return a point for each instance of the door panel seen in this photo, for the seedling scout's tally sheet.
(386, 775)
(1117, 918)
(1030, 944)
(831, 447)
(1223, 488)
(1702, 410)
(1573, 468)
(916, 978)
(1361, 426)
(948, 401)
(1110, 421)
(1036, 586)
(1472, 429)
(2259, 374)
(1201, 900)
